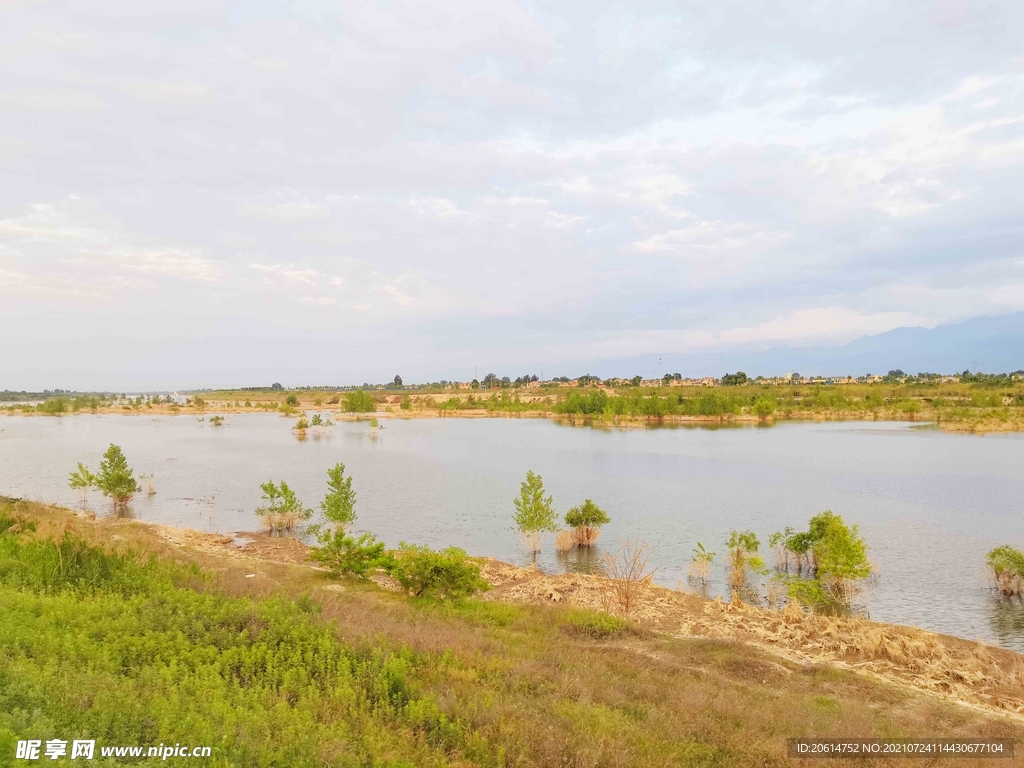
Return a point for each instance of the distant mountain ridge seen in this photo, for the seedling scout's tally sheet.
(990, 344)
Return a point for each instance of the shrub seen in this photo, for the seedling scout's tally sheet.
(348, 556)
(317, 420)
(447, 574)
(534, 514)
(778, 542)
(565, 541)
(1007, 567)
(291, 400)
(359, 402)
(116, 479)
(581, 621)
(628, 574)
(406, 404)
(302, 424)
(840, 555)
(283, 510)
(217, 421)
(587, 520)
(764, 407)
(339, 504)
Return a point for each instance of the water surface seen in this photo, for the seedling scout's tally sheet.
(929, 504)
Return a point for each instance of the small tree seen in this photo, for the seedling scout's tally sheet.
(348, 556)
(534, 514)
(743, 546)
(283, 510)
(700, 564)
(398, 380)
(339, 504)
(82, 480)
(587, 520)
(406, 404)
(116, 479)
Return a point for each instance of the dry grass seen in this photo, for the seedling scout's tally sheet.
(565, 541)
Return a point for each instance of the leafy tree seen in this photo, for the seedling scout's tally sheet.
(447, 574)
(587, 520)
(339, 504)
(116, 479)
(764, 406)
(743, 546)
(283, 509)
(840, 556)
(734, 379)
(636, 380)
(534, 513)
(291, 400)
(359, 401)
(82, 480)
(276, 386)
(398, 380)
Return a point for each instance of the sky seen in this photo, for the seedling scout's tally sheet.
(227, 194)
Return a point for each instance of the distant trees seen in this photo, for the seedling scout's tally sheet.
(734, 379)
(276, 386)
(534, 514)
(398, 380)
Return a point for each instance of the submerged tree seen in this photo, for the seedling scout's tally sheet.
(283, 510)
(1007, 567)
(116, 479)
(82, 480)
(586, 520)
(743, 547)
(700, 564)
(534, 514)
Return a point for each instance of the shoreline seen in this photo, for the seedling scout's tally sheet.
(982, 677)
(931, 421)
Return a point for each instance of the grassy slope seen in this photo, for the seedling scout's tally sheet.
(288, 668)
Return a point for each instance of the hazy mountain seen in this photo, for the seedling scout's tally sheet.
(989, 344)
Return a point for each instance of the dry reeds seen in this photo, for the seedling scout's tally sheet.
(627, 571)
(565, 541)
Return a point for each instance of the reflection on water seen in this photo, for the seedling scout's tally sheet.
(581, 560)
(929, 504)
(1006, 615)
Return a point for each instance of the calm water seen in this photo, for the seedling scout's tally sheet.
(929, 504)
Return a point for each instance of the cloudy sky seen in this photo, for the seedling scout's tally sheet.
(220, 193)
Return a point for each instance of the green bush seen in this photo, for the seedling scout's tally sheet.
(346, 555)
(1007, 567)
(291, 400)
(406, 404)
(595, 624)
(116, 479)
(534, 513)
(446, 574)
(138, 658)
(587, 520)
(359, 402)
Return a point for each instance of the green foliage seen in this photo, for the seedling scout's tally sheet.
(742, 546)
(283, 509)
(116, 479)
(406, 404)
(358, 402)
(140, 658)
(292, 400)
(347, 555)
(82, 479)
(701, 555)
(447, 574)
(301, 424)
(317, 420)
(764, 406)
(339, 504)
(53, 406)
(534, 513)
(374, 423)
(595, 624)
(1007, 567)
(587, 514)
